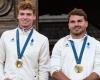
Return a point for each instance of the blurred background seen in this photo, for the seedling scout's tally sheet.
(51, 16)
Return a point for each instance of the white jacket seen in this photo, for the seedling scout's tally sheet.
(35, 57)
(63, 58)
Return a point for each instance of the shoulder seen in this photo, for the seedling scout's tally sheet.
(39, 36)
(8, 32)
(61, 42)
(93, 40)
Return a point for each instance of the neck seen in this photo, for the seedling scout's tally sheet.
(25, 28)
(77, 36)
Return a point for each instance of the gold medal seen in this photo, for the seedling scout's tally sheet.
(78, 68)
(19, 63)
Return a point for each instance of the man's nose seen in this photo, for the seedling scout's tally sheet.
(76, 23)
(25, 16)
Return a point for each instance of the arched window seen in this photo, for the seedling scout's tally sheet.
(5, 6)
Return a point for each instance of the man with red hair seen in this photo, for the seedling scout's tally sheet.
(24, 52)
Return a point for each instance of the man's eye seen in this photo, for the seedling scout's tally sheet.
(79, 20)
(28, 14)
(72, 21)
(21, 13)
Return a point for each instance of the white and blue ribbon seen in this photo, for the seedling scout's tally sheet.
(78, 60)
(20, 53)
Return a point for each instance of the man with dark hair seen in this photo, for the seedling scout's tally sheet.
(77, 55)
(24, 53)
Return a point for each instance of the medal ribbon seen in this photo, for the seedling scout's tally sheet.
(20, 53)
(78, 60)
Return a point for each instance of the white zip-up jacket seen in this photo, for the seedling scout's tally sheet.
(63, 57)
(35, 57)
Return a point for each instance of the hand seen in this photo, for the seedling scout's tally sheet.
(92, 76)
(59, 76)
(7, 77)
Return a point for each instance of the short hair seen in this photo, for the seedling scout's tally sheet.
(23, 5)
(78, 12)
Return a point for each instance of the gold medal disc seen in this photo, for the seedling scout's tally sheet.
(78, 68)
(19, 63)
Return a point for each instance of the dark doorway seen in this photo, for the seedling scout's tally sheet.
(58, 7)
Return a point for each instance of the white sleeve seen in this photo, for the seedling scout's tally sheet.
(97, 59)
(2, 59)
(55, 61)
(43, 60)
